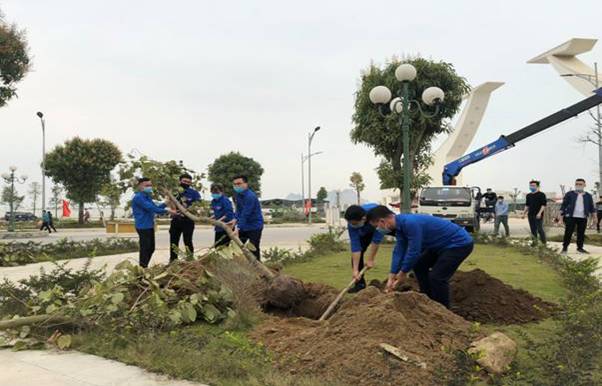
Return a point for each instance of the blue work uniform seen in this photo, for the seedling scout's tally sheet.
(144, 210)
(360, 239)
(222, 207)
(249, 219)
(434, 248)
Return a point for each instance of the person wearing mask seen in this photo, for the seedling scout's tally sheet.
(490, 200)
(249, 219)
(534, 210)
(144, 210)
(598, 213)
(432, 247)
(45, 221)
(180, 224)
(50, 221)
(222, 211)
(501, 216)
(362, 237)
(577, 206)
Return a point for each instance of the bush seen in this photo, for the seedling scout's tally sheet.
(319, 244)
(21, 253)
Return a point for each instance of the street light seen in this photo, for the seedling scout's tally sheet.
(10, 178)
(41, 116)
(594, 81)
(309, 140)
(404, 107)
(303, 159)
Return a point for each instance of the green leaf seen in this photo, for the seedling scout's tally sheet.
(64, 342)
(210, 313)
(125, 264)
(117, 298)
(188, 311)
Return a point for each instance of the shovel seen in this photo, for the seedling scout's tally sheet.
(336, 300)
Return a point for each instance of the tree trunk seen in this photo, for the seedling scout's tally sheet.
(80, 215)
(358, 196)
(112, 213)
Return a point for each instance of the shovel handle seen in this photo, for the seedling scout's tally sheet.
(336, 300)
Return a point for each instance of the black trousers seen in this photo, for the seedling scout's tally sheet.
(434, 269)
(364, 243)
(570, 223)
(146, 239)
(254, 237)
(179, 227)
(599, 219)
(221, 238)
(46, 226)
(536, 226)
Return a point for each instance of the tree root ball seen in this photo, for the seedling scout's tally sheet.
(284, 292)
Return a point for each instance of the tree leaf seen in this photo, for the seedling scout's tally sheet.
(64, 342)
(117, 298)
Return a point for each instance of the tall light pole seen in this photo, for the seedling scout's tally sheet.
(303, 159)
(405, 108)
(309, 140)
(10, 178)
(594, 81)
(41, 116)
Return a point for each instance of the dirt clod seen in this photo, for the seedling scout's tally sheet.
(284, 292)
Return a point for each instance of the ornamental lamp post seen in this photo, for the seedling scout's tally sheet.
(405, 107)
(10, 178)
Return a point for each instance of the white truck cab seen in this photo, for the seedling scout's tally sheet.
(458, 204)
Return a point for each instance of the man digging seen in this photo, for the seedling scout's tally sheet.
(362, 237)
(432, 247)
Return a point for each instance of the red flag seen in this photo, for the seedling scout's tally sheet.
(66, 210)
(307, 207)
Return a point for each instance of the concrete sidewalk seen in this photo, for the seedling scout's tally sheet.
(72, 368)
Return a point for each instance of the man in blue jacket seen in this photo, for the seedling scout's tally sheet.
(577, 206)
(222, 211)
(434, 248)
(249, 219)
(144, 210)
(362, 237)
(180, 224)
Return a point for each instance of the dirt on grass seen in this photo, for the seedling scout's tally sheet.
(480, 297)
(346, 348)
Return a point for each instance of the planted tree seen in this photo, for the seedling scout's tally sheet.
(34, 191)
(9, 195)
(383, 134)
(226, 166)
(357, 183)
(56, 199)
(322, 195)
(14, 59)
(110, 196)
(83, 167)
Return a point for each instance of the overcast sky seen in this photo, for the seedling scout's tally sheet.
(192, 80)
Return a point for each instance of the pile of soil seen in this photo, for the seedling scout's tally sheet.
(346, 347)
(312, 303)
(479, 297)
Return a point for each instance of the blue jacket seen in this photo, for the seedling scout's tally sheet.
(417, 233)
(187, 197)
(248, 211)
(144, 210)
(356, 234)
(222, 207)
(568, 204)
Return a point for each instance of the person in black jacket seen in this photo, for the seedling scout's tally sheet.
(577, 206)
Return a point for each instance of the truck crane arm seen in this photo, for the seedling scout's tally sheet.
(505, 142)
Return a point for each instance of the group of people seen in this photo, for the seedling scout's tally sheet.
(47, 221)
(246, 220)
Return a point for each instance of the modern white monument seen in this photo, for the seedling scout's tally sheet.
(564, 60)
(457, 143)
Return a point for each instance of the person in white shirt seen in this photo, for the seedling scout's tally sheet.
(577, 206)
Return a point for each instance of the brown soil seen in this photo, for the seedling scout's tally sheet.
(478, 296)
(346, 347)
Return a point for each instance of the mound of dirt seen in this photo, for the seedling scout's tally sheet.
(478, 296)
(347, 347)
(311, 303)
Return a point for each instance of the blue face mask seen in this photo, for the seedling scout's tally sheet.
(148, 190)
(356, 226)
(239, 189)
(216, 196)
(383, 231)
(533, 190)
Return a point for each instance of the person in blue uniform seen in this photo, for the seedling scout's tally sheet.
(222, 211)
(180, 224)
(432, 247)
(249, 219)
(363, 238)
(144, 210)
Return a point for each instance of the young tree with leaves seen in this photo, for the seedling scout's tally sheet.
(9, 196)
(226, 166)
(83, 167)
(322, 195)
(357, 183)
(14, 59)
(34, 191)
(384, 135)
(110, 196)
(55, 199)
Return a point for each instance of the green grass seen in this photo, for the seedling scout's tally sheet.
(506, 264)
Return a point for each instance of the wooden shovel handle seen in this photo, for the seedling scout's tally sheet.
(336, 300)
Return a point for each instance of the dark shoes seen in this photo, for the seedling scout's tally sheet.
(583, 251)
(357, 287)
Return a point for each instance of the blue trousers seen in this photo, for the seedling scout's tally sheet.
(434, 269)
